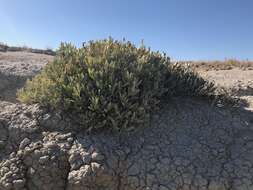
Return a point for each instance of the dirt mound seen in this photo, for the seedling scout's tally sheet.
(188, 145)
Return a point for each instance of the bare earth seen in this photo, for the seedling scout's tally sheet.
(23, 63)
(16, 68)
(238, 81)
(188, 144)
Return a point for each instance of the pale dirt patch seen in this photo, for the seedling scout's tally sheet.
(16, 68)
(238, 82)
(23, 63)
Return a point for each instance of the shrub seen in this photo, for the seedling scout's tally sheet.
(3, 47)
(111, 84)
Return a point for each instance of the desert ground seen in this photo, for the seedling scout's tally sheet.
(16, 68)
(239, 82)
(189, 144)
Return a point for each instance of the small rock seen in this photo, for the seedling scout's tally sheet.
(18, 184)
(77, 164)
(70, 139)
(95, 167)
(31, 171)
(64, 136)
(24, 143)
(97, 157)
(43, 159)
(7, 186)
(52, 145)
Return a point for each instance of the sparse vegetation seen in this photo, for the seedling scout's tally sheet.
(5, 48)
(220, 65)
(111, 84)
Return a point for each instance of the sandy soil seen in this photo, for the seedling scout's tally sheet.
(22, 63)
(239, 82)
(16, 68)
(220, 65)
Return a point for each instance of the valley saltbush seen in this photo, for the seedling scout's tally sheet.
(111, 84)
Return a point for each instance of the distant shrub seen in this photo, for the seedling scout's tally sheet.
(227, 64)
(111, 84)
(3, 47)
(14, 48)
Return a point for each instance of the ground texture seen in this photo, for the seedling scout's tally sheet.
(189, 144)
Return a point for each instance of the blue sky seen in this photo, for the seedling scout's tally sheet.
(184, 29)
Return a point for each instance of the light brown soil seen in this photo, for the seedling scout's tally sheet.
(239, 82)
(220, 65)
(16, 68)
(22, 63)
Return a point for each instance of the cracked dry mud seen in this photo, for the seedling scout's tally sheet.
(188, 145)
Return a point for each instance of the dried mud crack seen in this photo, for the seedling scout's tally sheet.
(189, 145)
